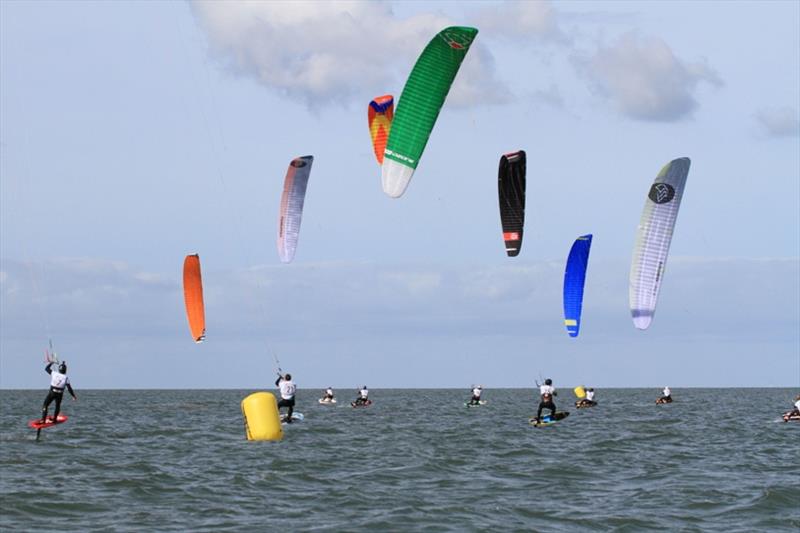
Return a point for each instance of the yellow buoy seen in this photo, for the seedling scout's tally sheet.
(580, 392)
(262, 421)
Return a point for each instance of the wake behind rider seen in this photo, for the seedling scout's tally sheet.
(58, 381)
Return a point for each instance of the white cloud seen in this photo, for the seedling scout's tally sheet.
(80, 294)
(475, 83)
(413, 282)
(103, 312)
(526, 20)
(645, 80)
(779, 121)
(343, 51)
(86, 294)
(550, 96)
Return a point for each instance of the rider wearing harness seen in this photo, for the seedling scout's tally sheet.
(58, 381)
(288, 389)
(547, 392)
(794, 414)
(476, 395)
(666, 395)
(588, 400)
(363, 396)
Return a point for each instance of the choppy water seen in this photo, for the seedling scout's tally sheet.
(415, 460)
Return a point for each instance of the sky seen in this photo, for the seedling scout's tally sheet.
(134, 133)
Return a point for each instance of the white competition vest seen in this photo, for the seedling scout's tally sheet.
(58, 380)
(287, 390)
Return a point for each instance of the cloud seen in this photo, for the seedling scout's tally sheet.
(645, 80)
(526, 20)
(107, 297)
(389, 321)
(475, 83)
(343, 51)
(550, 96)
(88, 296)
(779, 121)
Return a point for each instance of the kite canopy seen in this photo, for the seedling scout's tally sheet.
(653, 240)
(574, 279)
(419, 105)
(379, 117)
(511, 193)
(291, 210)
(193, 297)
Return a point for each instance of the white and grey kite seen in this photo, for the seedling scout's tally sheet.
(653, 239)
(291, 209)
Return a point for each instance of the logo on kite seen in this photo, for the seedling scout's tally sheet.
(661, 193)
(456, 41)
(298, 163)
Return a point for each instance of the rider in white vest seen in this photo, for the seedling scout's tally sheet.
(588, 398)
(288, 390)
(58, 381)
(363, 396)
(476, 395)
(547, 391)
(667, 394)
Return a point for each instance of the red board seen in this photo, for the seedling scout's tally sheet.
(36, 423)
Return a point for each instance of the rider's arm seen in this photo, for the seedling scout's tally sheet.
(72, 392)
(278, 381)
(48, 369)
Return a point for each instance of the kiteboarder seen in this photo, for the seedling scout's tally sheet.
(58, 381)
(476, 395)
(363, 396)
(547, 391)
(666, 396)
(288, 389)
(794, 414)
(328, 396)
(588, 401)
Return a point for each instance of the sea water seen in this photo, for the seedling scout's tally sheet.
(416, 460)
